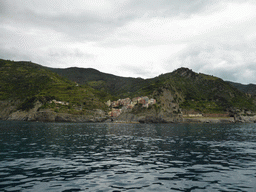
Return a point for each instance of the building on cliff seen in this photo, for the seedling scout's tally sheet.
(121, 105)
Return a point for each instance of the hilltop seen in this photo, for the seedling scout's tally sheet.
(29, 91)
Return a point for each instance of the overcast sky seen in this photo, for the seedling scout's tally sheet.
(133, 38)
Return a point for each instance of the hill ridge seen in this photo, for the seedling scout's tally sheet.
(177, 93)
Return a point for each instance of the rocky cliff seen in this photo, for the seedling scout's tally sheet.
(10, 112)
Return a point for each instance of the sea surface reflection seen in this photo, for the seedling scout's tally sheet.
(127, 157)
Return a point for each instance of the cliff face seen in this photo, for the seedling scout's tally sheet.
(36, 114)
(6, 108)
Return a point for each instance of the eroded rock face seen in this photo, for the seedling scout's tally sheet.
(18, 115)
(152, 119)
(6, 108)
(44, 116)
(169, 101)
(47, 115)
(25, 115)
(63, 117)
(244, 119)
(33, 115)
(128, 117)
(166, 114)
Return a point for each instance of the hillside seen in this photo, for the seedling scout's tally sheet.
(29, 90)
(200, 92)
(183, 88)
(250, 88)
(23, 84)
(115, 85)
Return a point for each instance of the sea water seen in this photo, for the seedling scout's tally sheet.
(66, 157)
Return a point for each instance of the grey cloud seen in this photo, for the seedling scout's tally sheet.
(83, 25)
(219, 60)
(63, 53)
(18, 20)
(177, 8)
(76, 26)
(19, 55)
(171, 8)
(93, 25)
(14, 54)
(3, 9)
(138, 71)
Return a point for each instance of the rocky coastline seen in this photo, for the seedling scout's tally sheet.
(207, 120)
(135, 114)
(136, 110)
(100, 117)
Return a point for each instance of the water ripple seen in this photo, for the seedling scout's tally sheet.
(125, 157)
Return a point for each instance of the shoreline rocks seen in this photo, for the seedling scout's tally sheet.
(9, 112)
(209, 120)
(50, 116)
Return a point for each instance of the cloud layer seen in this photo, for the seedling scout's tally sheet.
(134, 38)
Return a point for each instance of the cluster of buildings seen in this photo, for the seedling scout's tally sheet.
(122, 105)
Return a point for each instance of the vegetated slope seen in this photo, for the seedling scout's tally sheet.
(250, 88)
(196, 92)
(114, 85)
(24, 83)
(27, 83)
(182, 88)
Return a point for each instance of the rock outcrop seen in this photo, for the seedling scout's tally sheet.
(143, 110)
(9, 112)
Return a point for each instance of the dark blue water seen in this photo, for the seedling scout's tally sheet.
(127, 157)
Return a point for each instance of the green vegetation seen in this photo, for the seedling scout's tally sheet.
(29, 82)
(208, 94)
(250, 88)
(83, 90)
(120, 87)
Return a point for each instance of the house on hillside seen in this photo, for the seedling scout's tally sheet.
(128, 103)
